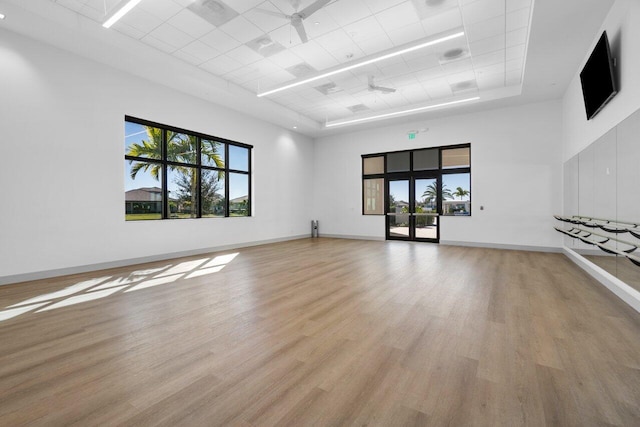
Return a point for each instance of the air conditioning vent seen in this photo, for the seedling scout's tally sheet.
(213, 11)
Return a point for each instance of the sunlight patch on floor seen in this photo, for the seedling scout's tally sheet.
(64, 292)
(81, 298)
(102, 287)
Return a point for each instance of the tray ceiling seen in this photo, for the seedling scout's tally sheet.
(237, 41)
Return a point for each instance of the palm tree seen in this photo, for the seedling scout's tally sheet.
(181, 148)
(431, 193)
(461, 192)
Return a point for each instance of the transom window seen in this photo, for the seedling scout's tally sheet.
(449, 194)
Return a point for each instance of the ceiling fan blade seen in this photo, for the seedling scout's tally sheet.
(312, 8)
(384, 89)
(296, 21)
(278, 14)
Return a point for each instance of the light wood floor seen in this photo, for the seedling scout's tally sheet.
(322, 332)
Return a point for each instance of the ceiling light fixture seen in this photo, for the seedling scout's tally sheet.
(399, 113)
(385, 55)
(1, 15)
(119, 11)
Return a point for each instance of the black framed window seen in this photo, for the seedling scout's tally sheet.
(172, 173)
(449, 165)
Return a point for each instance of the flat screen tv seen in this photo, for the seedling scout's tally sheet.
(597, 78)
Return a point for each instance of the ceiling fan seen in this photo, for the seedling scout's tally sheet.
(297, 18)
(373, 87)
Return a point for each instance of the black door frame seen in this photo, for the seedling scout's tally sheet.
(411, 177)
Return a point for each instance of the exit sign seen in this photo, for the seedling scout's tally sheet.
(412, 136)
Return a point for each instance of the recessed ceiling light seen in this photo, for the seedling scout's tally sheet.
(399, 113)
(119, 11)
(384, 55)
(295, 127)
(1, 15)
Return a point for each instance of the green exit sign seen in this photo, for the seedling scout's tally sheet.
(412, 136)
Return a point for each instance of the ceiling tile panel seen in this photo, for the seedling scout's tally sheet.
(315, 55)
(518, 19)
(461, 77)
(396, 69)
(241, 29)
(190, 23)
(438, 88)
(516, 52)
(201, 51)
(158, 44)
(242, 6)
(244, 55)
(517, 4)
(485, 29)
(128, 30)
(517, 37)
(285, 59)
(397, 17)
(482, 10)
(376, 6)
(487, 81)
(171, 35)
(265, 21)
(320, 23)
(347, 12)
(162, 9)
(487, 45)
(492, 58)
(220, 40)
(364, 29)
(221, 65)
(140, 20)
(187, 57)
(408, 33)
(334, 40)
(375, 44)
(447, 20)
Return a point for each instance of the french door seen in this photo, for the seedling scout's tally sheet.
(413, 203)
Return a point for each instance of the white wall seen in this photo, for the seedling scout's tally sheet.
(62, 165)
(623, 28)
(516, 169)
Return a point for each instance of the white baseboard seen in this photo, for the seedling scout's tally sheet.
(457, 243)
(354, 237)
(501, 246)
(17, 278)
(625, 292)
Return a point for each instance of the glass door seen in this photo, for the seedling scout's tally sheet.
(425, 211)
(412, 209)
(398, 209)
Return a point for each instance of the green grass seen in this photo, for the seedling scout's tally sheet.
(142, 217)
(139, 217)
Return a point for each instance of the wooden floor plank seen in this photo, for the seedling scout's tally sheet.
(322, 332)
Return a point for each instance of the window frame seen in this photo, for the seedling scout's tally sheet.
(439, 172)
(165, 163)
